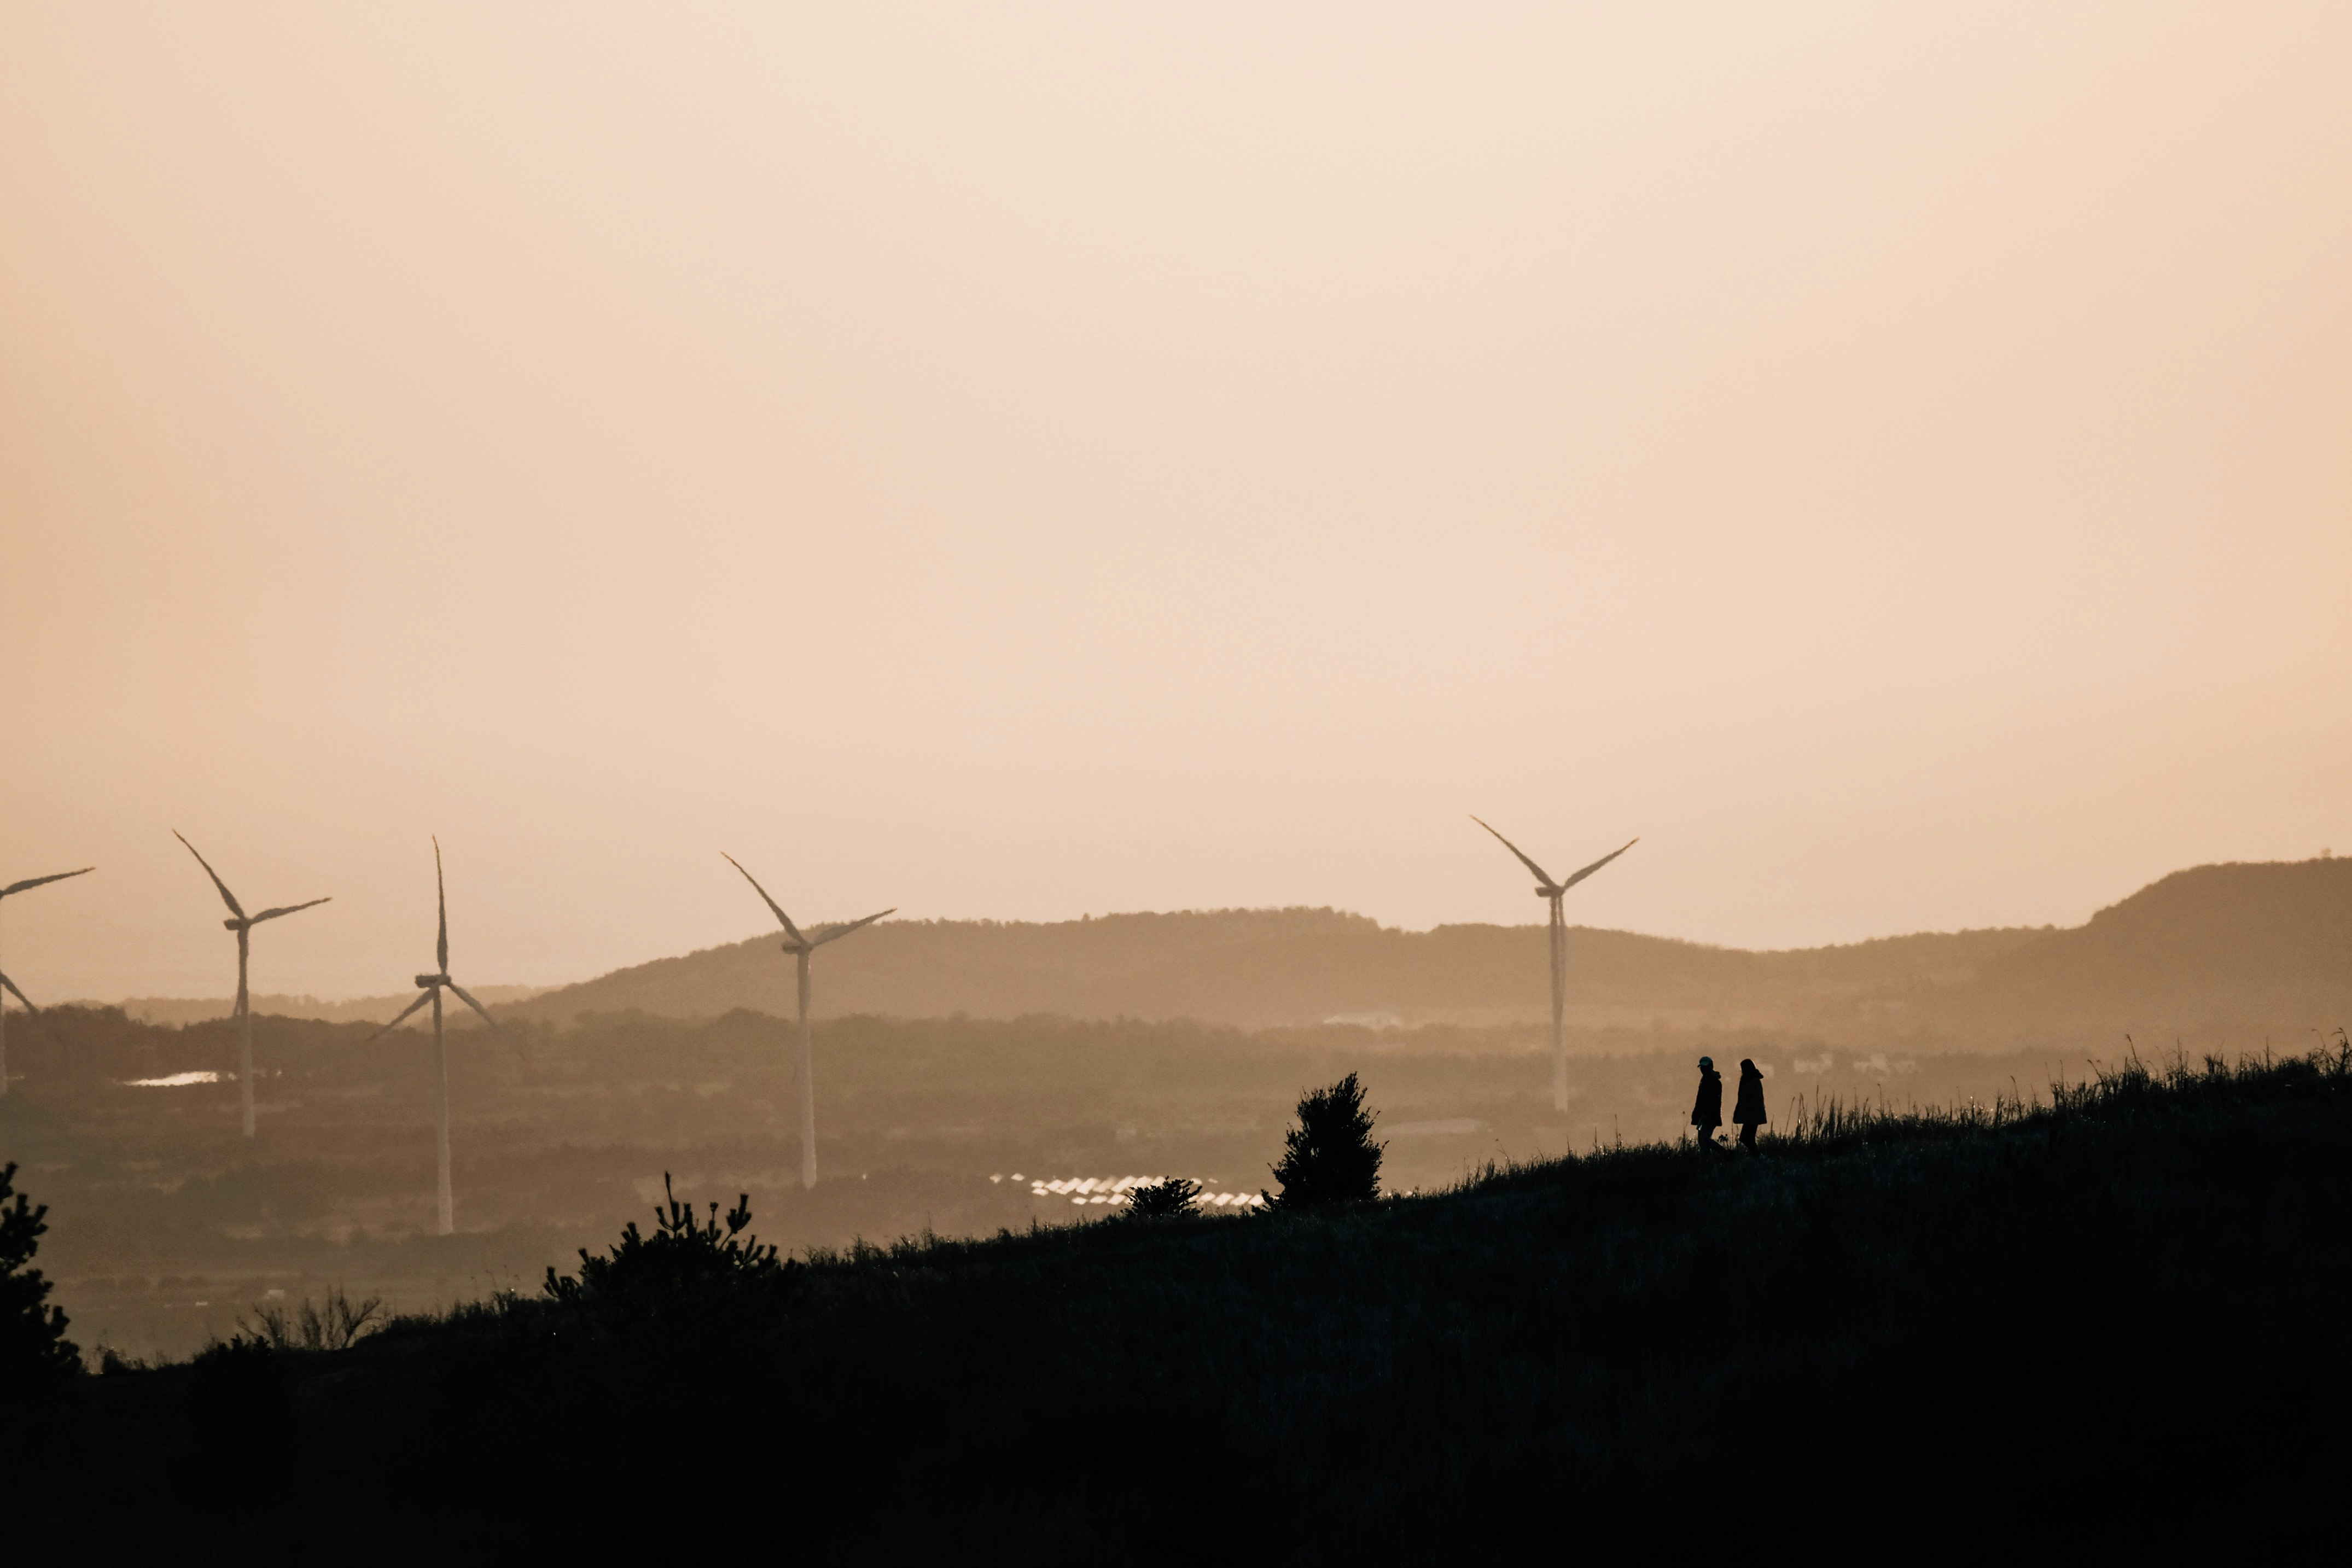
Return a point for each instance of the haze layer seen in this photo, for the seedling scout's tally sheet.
(1026, 465)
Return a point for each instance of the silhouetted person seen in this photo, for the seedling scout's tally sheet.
(1749, 1111)
(1707, 1114)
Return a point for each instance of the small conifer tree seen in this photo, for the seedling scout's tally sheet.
(686, 1269)
(1171, 1197)
(35, 1354)
(1329, 1157)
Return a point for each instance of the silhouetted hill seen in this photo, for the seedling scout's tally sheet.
(1271, 966)
(2262, 947)
(2230, 945)
(2109, 1326)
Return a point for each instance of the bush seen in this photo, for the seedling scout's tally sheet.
(333, 1324)
(685, 1269)
(35, 1354)
(1170, 1197)
(1329, 1157)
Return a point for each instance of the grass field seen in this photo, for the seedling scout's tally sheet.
(2112, 1321)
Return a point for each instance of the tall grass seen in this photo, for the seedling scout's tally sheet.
(1828, 1124)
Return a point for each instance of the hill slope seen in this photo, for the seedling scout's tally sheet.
(2112, 1323)
(1259, 967)
(2218, 942)
(2252, 947)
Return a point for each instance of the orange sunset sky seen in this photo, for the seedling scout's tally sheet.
(1033, 460)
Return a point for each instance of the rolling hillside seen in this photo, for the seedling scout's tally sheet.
(2248, 947)
(2241, 944)
(1264, 967)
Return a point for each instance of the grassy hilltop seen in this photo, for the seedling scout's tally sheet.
(1928, 1332)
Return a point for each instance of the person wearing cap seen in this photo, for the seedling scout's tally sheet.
(1749, 1111)
(1706, 1116)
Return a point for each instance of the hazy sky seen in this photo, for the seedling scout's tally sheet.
(1028, 461)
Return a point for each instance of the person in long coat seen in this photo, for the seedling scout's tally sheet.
(1749, 1111)
(1706, 1116)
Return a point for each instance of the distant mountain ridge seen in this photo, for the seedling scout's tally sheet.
(2237, 945)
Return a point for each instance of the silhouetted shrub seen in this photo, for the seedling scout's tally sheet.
(685, 1269)
(1165, 1199)
(241, 1415)
(1329, 1157)
(333, 1324)
(35, 1354)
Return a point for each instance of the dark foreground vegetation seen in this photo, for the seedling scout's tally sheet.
(2113, 1322)
(168, 1223)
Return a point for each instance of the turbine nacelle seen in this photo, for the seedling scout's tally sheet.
(800, 944)
(797, 942)
(431, 985)
(238, 921)
(1545, 887)
(1552, 891)
(240, 926)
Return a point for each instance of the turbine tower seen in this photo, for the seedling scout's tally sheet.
(1550, 891)
(800, 947)
(9, 985)
(243, 924)
(432, 986)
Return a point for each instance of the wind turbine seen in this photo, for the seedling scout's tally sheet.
(242, 924)
(8, 984)
(801, 946)
(432, 986)
(1550, 891)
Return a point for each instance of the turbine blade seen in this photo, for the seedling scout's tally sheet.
(41, 1018)
(422, 998)
(837, 932)
(226, 896)
(441, 894)
(290, 909)
(11, 987)
(1596, 865)
(467, 997)
(1542, 876)
(790, 929)
(39, 880)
